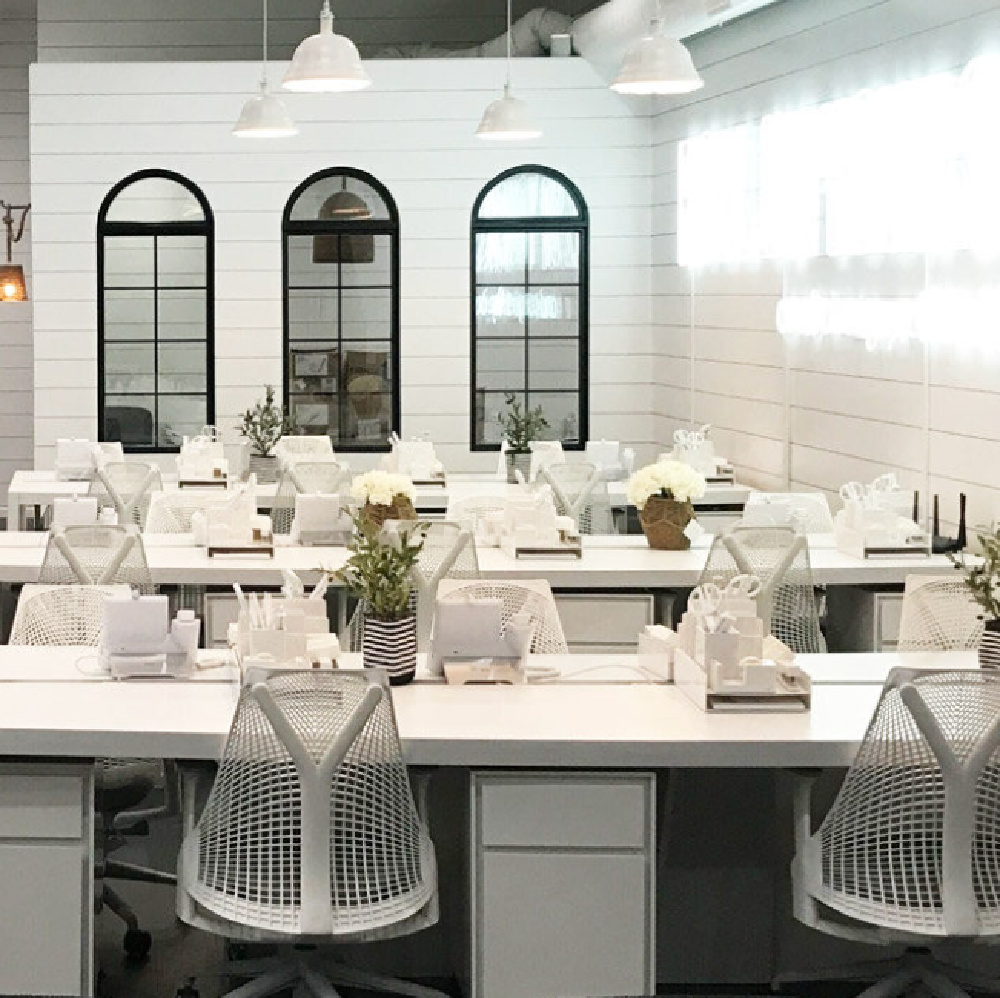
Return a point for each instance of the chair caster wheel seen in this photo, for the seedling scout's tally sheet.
(188, 990)
(137, 944)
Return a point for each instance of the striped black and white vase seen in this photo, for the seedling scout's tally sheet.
(391, 645)
(989, 646)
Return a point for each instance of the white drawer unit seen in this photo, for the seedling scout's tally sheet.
(46, 868)
(562, 884)
(863, 618)
(604, 622)
(221, 610)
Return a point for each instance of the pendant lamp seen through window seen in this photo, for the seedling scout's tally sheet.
(344, 247)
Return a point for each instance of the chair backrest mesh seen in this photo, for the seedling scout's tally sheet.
(96, 555)
(910, 842)
(779, 557)
(127, 486)
(580, 491)
(471, 511)
(293, 447)
(61, 615)
(536, 600)
(170, 512)
(939, 614)
(807, 512)
(254, 857)
(326, 477)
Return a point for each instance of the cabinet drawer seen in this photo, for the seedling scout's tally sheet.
(604, 620)
(46, 808)
(549, 812)
(890, 614)
(221, 610)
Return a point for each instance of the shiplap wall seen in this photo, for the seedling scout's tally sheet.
(17, 50)
(812, 415)
(93, 124)
(154, 31)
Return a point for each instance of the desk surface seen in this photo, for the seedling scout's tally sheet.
(567, 724)
(617, 562)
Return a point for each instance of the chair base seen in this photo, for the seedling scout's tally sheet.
(319, 979)
(895, 977)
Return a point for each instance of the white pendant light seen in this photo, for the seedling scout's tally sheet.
(264, 116)
(507, 119)
(657, 64)
(326, 62)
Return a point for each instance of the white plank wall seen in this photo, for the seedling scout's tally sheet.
(94, 124)
(17, 50)
(814, 414)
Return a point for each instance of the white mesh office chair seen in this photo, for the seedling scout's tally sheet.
(908, 852)
(533, 597)
(297, 447)
(779, 557)
(471, 511)
(171, 512)
(96, 555)
(807, 512)
(580, 491)
(310, 833)
(939, 614)
(326, 477)
(72, 615)
(127, 486)
(449, 552)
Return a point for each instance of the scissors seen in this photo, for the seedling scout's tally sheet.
(854, 492)
(708, 597)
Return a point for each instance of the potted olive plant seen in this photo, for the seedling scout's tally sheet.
(520, 426)
(264, 425)
(378, 573)
(982, 576)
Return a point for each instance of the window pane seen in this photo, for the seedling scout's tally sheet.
(315, 370)
(500, 365)
(370, 363)
(339, 198)
(128, 262)
(501, 257)
(554, 258)
(181, 261)
(182, 368)
(129, 419)
(182, 316)
(312, 316)
(500, 312)
(128, 368)
(155, 199)
(314, 413)
(128, 315)
(563, 413)
(368, 418)
(366, 314)
(180, 416)
(553, 312)
(528, 195)
(310, 264)
(553, 365)
(489, 406)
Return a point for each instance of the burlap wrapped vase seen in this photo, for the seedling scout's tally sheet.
(663, 521)
(400, 509)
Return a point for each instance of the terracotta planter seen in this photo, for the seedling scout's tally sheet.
(401, 509)
(391, 645)
(663, 521)
(989, 645)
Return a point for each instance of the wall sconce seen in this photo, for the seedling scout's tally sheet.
(12, 286)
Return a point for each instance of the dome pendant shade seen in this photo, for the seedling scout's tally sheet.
(12, 286)
(507, 119)
(657, 64)
(326, 62)
(344, 247)
(264, 117)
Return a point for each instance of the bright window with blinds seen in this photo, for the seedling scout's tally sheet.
(529, 304)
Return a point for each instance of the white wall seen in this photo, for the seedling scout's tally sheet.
(17, 50)
(93, 124)
(814, 414)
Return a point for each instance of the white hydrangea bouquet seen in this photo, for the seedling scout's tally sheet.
(663, 493)
(385, 495)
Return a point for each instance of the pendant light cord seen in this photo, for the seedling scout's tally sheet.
(509, 20)
(263, 68)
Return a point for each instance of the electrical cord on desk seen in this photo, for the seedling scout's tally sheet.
(552, 674)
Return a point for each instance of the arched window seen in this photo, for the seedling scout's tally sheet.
(529, 304)
(341, 309)
(155, 312)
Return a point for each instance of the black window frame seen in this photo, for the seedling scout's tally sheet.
(533, 224)
(196, 227)
(375, 227)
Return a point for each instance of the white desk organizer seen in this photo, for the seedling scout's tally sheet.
(76, 459)
(417, 459)
(874, 521)
(278, 633)
(202, 463)
(321, 519)
(234, 527)
(139, 639)
(656, 648)
(615, 462)
(723, 661)
(695, 449)
(544, 453)
(71, 511)
(312, 447)
(469, 643)
(531, 526)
